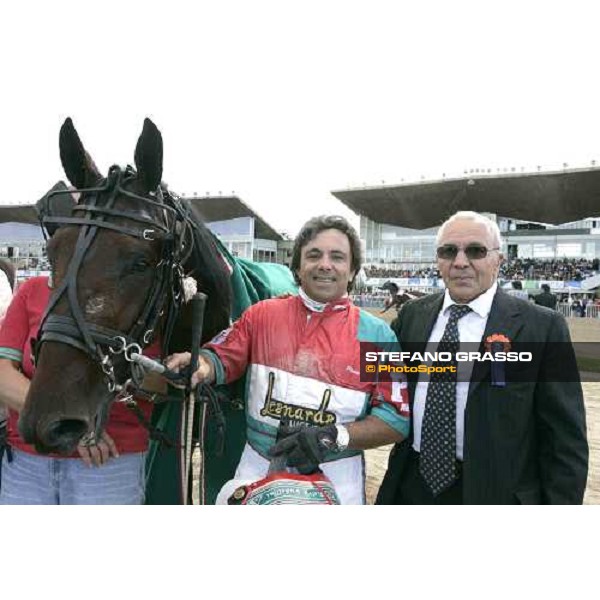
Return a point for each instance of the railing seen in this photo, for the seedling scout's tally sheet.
(368, 301)
(591, 311)
(378, 300)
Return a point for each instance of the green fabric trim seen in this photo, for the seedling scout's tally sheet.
(260, 436)
(376, 330)
(252, 282)
(389, 416)
(11, 354)
(217, 364)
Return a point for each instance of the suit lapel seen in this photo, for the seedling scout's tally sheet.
(424, 320)
(505, 318)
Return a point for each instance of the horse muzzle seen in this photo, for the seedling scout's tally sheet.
(58, 435)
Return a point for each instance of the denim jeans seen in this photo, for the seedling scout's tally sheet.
(34, 479)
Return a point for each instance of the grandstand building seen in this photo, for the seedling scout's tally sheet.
(245, 233)
(413, 249)
(22, 241)
(398, 226)
(241, 230)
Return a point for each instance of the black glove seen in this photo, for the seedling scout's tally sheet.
(305, 447)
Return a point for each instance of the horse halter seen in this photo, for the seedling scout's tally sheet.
(103, 344)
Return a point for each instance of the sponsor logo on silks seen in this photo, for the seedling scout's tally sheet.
(221, 337)
(276, 409)
(287, 489)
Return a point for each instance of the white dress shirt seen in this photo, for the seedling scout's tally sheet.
(470, 330)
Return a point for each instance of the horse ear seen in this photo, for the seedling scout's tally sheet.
(77, 163)
(149, 156)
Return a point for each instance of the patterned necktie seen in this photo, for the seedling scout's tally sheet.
(438, 430)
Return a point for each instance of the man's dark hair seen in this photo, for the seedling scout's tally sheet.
(545, 287)
(313, 227)
(9, 269)
(517, 285)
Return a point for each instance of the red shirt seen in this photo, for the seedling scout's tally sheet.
(20, 325)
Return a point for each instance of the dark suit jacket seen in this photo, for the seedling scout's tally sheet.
(524, 443)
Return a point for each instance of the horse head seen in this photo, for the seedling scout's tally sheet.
(118, 263)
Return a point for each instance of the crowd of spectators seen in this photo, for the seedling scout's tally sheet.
(395, 271)
(562, 269)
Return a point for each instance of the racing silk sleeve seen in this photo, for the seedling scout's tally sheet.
(229, 351)
(389, 395)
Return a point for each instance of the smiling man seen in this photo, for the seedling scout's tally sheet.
(480, 437)
(302, 354)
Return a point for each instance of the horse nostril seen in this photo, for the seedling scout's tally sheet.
(64, 435)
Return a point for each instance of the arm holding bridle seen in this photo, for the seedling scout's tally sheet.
(13, 391)
(205, 373)
(14, 386)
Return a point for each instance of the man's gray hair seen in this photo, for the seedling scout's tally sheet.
(469, 215)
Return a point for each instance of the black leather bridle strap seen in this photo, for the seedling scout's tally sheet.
(102, 225)
(65, 327)
(75, 330)
(69, 284)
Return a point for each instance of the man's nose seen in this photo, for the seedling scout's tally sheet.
(461, 261)
(325, 263)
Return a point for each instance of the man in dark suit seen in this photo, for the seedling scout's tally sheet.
(494, 433)
(546, 298)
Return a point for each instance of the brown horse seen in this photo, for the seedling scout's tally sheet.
(118, 262)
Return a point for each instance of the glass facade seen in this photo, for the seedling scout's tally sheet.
(24, 244)
(411, 249)
(397, 245)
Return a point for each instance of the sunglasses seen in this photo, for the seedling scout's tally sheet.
(472, 251)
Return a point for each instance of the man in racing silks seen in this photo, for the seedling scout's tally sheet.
(304, 366)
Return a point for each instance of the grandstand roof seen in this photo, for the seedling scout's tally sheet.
(209, 208)
(18, 213)
(223, 208)
(549, 197)
(28, 213)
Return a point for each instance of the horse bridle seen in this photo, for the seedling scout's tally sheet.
(103, 344)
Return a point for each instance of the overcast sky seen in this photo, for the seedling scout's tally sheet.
(282, 102)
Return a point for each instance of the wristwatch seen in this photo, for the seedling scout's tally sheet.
(343, 438)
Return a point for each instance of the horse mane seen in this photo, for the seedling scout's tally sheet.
(210, 270)
(9, 269)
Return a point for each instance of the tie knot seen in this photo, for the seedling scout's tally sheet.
(458, 311)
